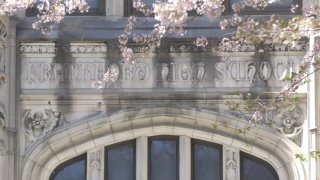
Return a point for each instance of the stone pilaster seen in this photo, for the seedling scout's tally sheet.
(7, 98)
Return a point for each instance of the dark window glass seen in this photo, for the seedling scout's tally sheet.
(97, 8)
(274, 6)
(121, 162)
(129, 10)
(74, 169)
(207, 163)
(163, 159)
(253, 168)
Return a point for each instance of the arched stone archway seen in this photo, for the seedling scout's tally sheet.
(106, 129)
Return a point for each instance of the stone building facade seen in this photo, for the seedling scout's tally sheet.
(181, 99)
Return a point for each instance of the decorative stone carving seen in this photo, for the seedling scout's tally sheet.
(247, 48)
(2, 116)
(3, 34)
(95, 164)
(299, 46)
(291, 122)
(38, 125)
(85, 48)
(231, 163)
(39, 48)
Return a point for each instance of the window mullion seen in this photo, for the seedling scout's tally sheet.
(95, 164)
(231, 163)
(142, 158)
(185, 158)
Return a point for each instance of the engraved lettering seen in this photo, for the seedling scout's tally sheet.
(265, 70)
(281, 70)
(141, 71)
(185, 71)
(220, 73)
(128, 72)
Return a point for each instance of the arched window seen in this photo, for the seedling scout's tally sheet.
(253, 168)
(73, 169)
(206, 160)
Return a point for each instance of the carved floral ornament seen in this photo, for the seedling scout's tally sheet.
(38, 124)
(290, 121)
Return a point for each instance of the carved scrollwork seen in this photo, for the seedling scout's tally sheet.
(290, 120)
(39, 124)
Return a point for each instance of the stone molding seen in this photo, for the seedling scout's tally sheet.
(118, 127)
(87, 48)
(38, 48)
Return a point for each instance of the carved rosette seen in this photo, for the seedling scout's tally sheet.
(290, 121)
(39, 124)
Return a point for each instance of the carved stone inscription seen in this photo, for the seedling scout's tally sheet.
(147, 74)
